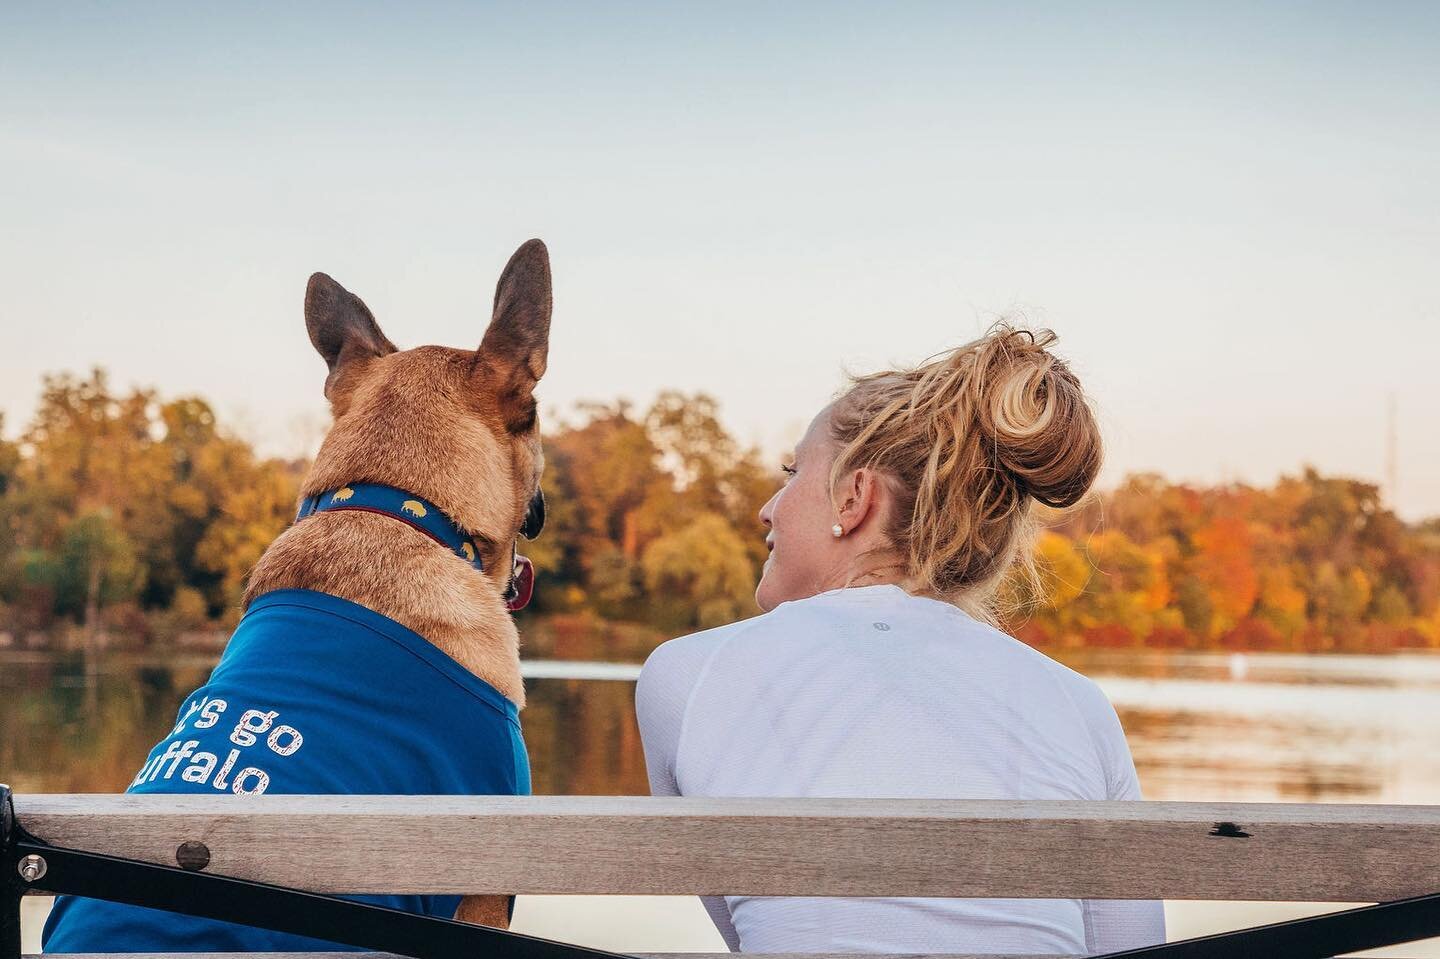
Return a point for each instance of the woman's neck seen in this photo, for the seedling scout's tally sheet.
(876, 578)
(883, 570)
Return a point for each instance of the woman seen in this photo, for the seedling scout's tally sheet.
(877, 670)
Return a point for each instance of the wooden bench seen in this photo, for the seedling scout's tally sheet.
(771, 847)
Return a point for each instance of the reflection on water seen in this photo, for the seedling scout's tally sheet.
(56, 738)
(581, 733)
(1277, 728)
(582, 738)
(1201, 726)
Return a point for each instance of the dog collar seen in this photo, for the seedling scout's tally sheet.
(397, 503)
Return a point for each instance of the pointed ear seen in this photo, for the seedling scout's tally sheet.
(517, 343)
(341, 327)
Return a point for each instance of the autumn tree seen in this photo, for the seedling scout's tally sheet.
(1221, 563)
(699, 575)
(152, 496)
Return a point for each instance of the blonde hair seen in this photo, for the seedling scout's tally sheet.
(968, 441)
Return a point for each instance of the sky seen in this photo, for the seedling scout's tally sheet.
(1230, 213)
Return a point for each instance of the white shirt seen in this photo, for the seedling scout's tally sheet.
(871, 692)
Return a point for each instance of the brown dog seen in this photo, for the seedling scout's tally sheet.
(377, 653)
(456, 427)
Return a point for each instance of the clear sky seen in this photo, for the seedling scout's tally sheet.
(1229, 212)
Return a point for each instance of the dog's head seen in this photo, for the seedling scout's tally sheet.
(457, 427)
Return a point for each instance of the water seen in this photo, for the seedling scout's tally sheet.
(1201, 726)
(1277, 728)
(56, 735)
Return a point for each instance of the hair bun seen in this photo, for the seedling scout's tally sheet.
(1034, 415)
(969, 441)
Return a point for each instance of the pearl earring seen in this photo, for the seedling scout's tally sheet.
(837, 530)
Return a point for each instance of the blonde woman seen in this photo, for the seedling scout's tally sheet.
(877, 669)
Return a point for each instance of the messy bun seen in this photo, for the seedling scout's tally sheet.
(968, 441)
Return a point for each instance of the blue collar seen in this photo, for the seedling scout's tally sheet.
(406, 507)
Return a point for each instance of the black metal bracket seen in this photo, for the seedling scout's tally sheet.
(1315, 937)
(11, 889)
(31, 864)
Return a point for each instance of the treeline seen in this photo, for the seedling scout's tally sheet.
(1314, 563)
(138, 518)
(128, 515)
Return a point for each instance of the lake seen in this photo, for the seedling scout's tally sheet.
(1202, 726)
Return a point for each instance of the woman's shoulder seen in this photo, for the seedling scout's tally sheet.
(1027, 663)
(681, 661)
(686, 654)
(667, 680)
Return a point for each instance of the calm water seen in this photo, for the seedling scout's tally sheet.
(1201, 726)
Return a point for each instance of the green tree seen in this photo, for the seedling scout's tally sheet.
(710, 471)
(699, 576)
(95, 565)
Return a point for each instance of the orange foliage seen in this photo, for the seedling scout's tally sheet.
(652, 519)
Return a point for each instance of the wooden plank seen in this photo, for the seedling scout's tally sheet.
(631, 845)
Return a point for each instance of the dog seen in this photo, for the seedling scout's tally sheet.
(377, 653)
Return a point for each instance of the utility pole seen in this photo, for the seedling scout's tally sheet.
(1392, 459)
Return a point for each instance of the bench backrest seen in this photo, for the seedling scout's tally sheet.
(813, 847)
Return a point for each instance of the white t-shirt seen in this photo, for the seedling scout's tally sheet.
(871, 692)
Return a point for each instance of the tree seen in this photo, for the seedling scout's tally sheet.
(11, 568)
(113, 496)
(1222, 564)
(253, 509)
(700, 575)
(693, 445)
(622, 485)
(163, 475)
(95, 565)
(1281, 602)
(9, 459)
(1061, 576)
(1130, 585)
(609, 467)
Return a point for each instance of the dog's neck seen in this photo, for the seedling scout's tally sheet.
(400, 572)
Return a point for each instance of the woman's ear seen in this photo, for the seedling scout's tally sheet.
(859, 499)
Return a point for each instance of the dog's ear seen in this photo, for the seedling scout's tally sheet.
(517, 343)
(341, 327)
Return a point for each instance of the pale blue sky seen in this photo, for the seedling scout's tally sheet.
(1229, 212)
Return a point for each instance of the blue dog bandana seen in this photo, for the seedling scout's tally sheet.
(314, 695)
